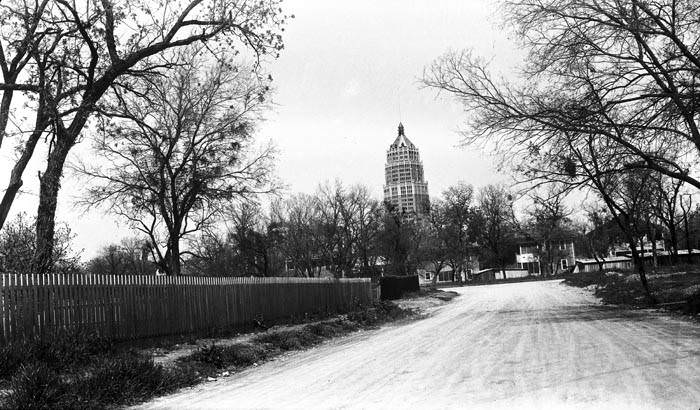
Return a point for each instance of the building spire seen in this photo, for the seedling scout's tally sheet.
(401, 129)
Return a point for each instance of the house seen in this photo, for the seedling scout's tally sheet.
(485, 275)
(447, 274)
(666, 258)
(645, 245)
(494, 274)
(533, 257)
(427, 272)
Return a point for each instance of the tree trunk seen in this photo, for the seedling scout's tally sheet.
(598, 261)
(653, 254)
(639, 262)
(435, 276)
(16, 176)
(674, 240)
(174, 259)
(49, 185)
(687, 232)
(5, 107)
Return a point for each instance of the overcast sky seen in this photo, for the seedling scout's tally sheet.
(349, 73)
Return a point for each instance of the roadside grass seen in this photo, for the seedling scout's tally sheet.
(675, 288)
(85, 372)
(77, 371)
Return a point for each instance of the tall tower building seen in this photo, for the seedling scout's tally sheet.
(404, 185)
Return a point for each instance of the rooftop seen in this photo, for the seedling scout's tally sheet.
(401, 140)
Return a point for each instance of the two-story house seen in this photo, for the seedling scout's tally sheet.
(538, 258)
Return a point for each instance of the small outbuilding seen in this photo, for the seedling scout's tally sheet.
(610, 262)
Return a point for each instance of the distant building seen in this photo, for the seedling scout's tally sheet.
(405, 187)
(494, 274)
(645, 245)
(606, 263)
(531, 257)
(447, 273)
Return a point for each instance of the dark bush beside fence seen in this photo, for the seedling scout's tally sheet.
(393, 287)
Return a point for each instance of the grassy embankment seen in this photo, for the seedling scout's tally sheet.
(675, 288)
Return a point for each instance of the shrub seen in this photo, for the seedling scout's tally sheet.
(36, 386)
(11, 358)
(126, 378)
(212, 354)
(394, 287)
(692, 304)
(71, 349)
(61, 351)
(326, 329)
(289, 339)
(115, 380)
(245, 354)
(239, 354)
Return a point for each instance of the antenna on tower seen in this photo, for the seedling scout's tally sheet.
(398, 96)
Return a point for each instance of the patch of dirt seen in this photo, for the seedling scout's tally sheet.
(426, 302)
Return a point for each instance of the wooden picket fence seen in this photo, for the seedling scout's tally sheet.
(131, 307)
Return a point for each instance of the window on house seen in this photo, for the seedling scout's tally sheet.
(564, 264)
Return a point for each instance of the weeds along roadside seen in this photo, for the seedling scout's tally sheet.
(676, 289)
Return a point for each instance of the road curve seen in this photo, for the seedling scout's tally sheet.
(520, 345)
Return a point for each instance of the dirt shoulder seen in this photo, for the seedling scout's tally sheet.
(675, 290)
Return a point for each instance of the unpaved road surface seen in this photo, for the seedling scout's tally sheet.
(521, 345)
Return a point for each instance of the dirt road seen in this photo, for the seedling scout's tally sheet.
(521, 345)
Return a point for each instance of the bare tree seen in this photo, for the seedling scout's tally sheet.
(131, 256)
(178, 152)
(296, 219)
(28, 49)
(402, 237)
(213, 255)
(547, 227)
(254, 239)
(686, 207)
(611, 87)
(666, 209)
(436, 248)
(495, 212)
(366, 227)
(460, 224)
(333, 228)
(95, 46)
(600, 233)
(624, 71)
(24, 38)
(348, 223)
